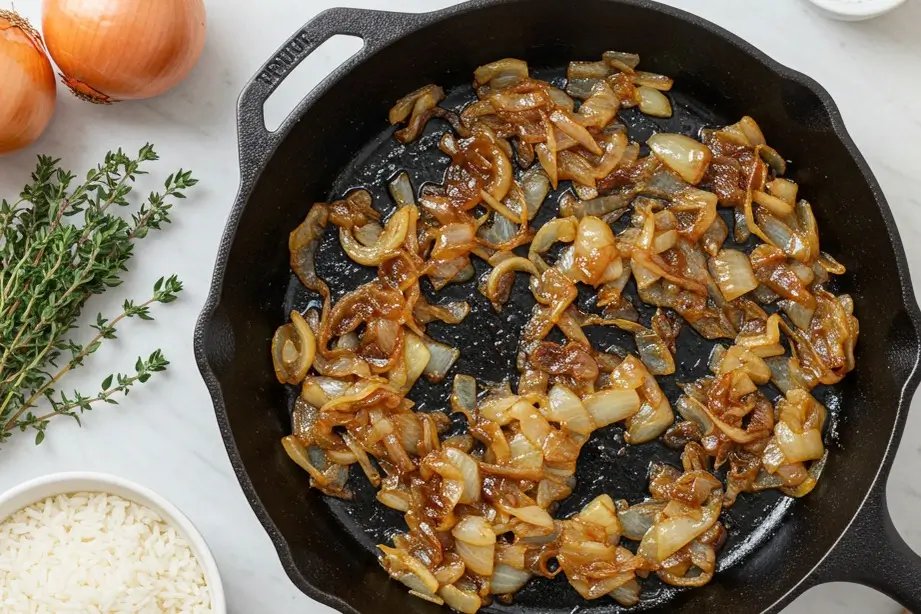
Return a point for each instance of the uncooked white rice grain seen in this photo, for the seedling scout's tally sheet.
(97, 553)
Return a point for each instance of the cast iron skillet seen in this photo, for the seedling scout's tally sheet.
(337, 138)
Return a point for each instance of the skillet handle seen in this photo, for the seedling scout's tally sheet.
(376, 28)
(872, 553)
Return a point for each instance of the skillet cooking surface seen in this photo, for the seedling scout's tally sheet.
(489, 343)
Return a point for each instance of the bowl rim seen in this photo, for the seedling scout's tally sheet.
(60, 481)
(861, 9)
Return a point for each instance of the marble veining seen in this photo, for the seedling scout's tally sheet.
(165, 436)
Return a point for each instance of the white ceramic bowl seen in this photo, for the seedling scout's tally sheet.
(856, 10)
(41, 488)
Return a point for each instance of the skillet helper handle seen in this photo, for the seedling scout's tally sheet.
(873, 553)
(375, 28)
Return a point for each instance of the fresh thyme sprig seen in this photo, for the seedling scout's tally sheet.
(62, 242)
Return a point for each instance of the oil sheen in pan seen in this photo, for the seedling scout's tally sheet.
(489, 342)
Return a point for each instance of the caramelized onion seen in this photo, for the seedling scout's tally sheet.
(653, 102)
(681, 154)
(479, 503)
(293, 349)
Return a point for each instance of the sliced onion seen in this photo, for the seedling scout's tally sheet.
(610, 406)
(800, 315)
(294, 347)
(474, 530)
(547, 156)
(499, 271)
(601, 511)
(569, 126)
(594, 249)
(497, 408)
(395, 500)
(741, 358)
(297, 452)
(733, 273)
(402, 190)
(624, 62)
(463, 395)
(466, 602)
(556, 230)
(653, 102)
(799, 447)
(670, 535)
(773, 159)
(561, 99)
(790, 241)
(370, 472)
(588, 70)
(598, 109)
(441, 358)
(535, 186)
(652, 80)
(776, 206)
(408, 425)
(649, 422)
(784, 189)
(682, 154)
(531, 423)
(524, 453)
(395, 231)
(580, 88)
(401, 564)
(566, 408)
(654, 352)
(502, 230)
(450, 313)
(713, 239)
(627, 594)
(369, 234)
(810, 231)
(501, 68)
(507, 580)
(470, 470)
(639, 518)
(734, 433)
(532, 515)
(454, 241)
(664, 241)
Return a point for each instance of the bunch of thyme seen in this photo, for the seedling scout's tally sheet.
(62, 242)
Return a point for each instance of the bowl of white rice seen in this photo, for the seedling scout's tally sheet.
(96, 543)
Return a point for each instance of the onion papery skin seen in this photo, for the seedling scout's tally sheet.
(27, 92)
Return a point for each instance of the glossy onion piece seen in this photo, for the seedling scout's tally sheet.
(594, 249)
(682, 154)
(110, 50)
(476, 544)
(653, 102)
(387, 243)
(733, 273)
(669, 535)
(293, 349)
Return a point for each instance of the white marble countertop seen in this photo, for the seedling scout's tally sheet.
(165, 435)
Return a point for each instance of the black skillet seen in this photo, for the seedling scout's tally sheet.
(337, 138)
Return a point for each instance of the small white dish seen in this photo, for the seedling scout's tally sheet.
(856, 10)
(41, 488)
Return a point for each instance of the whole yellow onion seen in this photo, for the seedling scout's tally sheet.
(27, 89)
(110, 50)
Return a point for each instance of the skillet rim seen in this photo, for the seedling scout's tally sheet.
(407, 24)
